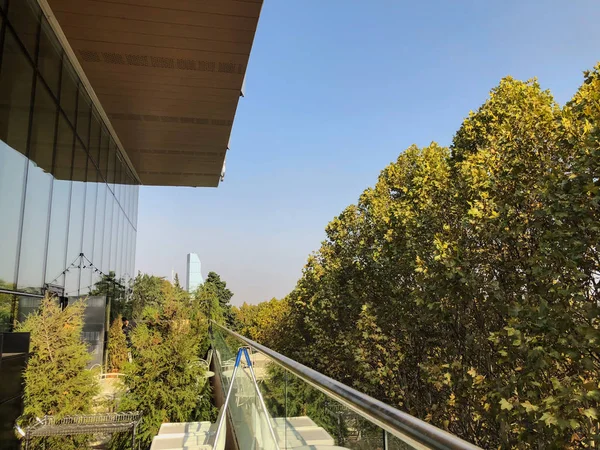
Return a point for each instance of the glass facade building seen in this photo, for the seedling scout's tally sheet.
(194, 272)
(68, 198)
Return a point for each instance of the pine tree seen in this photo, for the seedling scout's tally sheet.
(162, 381)
(57, 382)
(117, 346)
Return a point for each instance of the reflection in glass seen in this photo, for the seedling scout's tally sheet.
(61, 195)
(37, 200)
(15, 95)
(56, 204)
(42, 131)
(24, 15)
(33, 237)
(68, 91)
(94, 146)
(84, 105)
(99, 229)
(76, 219)
(50, 57)
(103, 156)
(12, 176)
(57, 237)
(115, 236)
(108, 216)
(110, 171)
(88, 228)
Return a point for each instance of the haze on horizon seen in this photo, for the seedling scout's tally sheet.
(335, 91)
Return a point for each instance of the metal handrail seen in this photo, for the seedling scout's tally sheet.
(408, 428)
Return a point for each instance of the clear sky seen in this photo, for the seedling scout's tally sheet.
(336, 90)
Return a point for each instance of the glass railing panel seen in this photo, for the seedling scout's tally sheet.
(225, 350)
(252, 426)
(289, 406)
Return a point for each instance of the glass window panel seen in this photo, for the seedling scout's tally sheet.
(80, 160)
(110, 171)
(15, 95)
(128, 198)
(75, 221)
(12, 178)
(119, 246)
(107, 232)
(57, 237)
(118, 174)
(114, 236)
(130, 252)
(37, 201)
(99, 227)
(104, 143)
(42, 131)
(68, 91)
(84, 109)
(33, 237)
(24, 15)
(88, 228)
(49, 58)
(94, 146)
(59, 214)
(133, 245)
(122, 251)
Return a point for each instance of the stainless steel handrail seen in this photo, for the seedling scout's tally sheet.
(409, 429)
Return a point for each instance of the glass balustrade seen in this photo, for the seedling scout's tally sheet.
(292, 413)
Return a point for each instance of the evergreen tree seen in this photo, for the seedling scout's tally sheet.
(117, 346)
(148, 290)
(214, 284)
(57, 382)
(163, 381)
(115, 291)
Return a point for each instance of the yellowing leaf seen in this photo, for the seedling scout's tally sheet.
(592, 413)
(505, 404)
(529, 407)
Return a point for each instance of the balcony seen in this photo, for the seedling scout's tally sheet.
(270, 402)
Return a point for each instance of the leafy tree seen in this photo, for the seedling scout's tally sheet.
(117, 346)
(463, 287)
(56, 380)
(263, 323)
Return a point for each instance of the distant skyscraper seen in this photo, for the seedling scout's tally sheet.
(194, 272)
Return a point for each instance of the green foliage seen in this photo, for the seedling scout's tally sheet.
(218, 287)
(114, 289)
(164, 380)
(148, 290)
(117, 346)
(7, 306)
(264, 323)
(223, 293)
(463, 287)
(56, 380)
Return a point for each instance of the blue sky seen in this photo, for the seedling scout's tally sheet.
(335, 91)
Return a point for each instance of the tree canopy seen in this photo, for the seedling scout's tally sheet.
(56, 380)
(463, 287)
